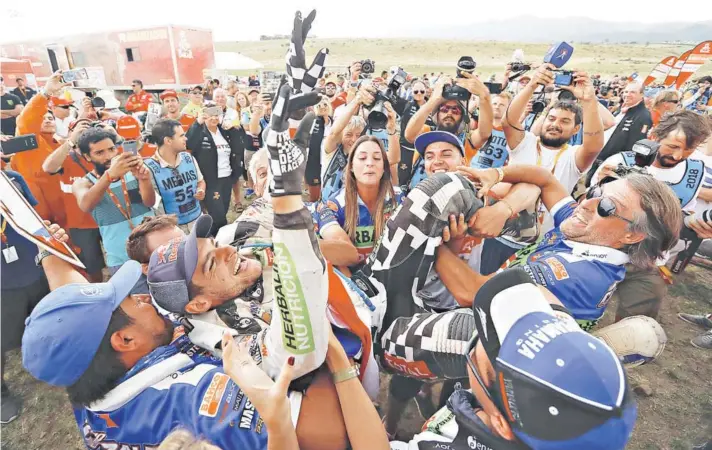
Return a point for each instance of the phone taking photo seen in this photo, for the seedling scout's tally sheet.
(69, 76)
(130, 147)
(19, 144)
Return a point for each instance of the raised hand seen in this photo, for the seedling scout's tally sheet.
(299, 77)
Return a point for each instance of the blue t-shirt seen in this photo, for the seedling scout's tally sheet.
(582, 276)
(23, 272)
(333, 212)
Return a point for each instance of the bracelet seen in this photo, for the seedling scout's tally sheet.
(511, 210)
(346, 374)
(500, 174)
(393, 134)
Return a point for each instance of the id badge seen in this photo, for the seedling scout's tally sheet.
(10, 254)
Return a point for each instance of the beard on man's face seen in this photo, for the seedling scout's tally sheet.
(449, 128)
(554, 142)
(667, 161)
(165, 337)
(101, 168)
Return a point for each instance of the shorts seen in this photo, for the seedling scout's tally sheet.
(17, 304)
(141, 286)
(89, 241)
(640, 293)
(312, 174)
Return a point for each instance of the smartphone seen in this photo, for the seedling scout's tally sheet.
(563, 78)
(494, 88)
(19, 144)
(131, 147)
(69, 76)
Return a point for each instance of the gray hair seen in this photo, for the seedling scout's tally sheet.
(219, 91)
(355, 122)
(660, 221)
(259, 159)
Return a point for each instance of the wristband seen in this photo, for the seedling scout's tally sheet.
(346, 374)
(500, 174)
(40, 256)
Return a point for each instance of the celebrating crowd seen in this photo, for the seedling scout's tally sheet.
(438, 229)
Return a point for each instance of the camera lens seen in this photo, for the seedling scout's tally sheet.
(377, 118)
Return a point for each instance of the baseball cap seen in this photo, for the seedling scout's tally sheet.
(168, 93)
(558, 386)
(425, 139)
(61, 101)
(253, 90)
(172, 265)
(65, 329)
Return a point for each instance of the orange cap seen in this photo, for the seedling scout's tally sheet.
(59, 101)
(128, 128)
(168, 93)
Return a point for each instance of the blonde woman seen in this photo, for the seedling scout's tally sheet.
(243, 105)
(665, 102)
(358, 212)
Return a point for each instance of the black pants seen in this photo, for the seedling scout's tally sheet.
(17, 304)
(217, 202)
(494, 254)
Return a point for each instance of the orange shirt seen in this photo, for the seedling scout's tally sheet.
(72, 171)
(138, 102)
(29, 163)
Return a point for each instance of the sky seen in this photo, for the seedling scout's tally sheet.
(243, 20)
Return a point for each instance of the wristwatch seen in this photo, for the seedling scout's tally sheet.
(346, 374)
(40, 256)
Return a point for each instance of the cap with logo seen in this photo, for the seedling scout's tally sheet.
(558, 386)
(65, 329)
(424, 140)
(172, 265)
(168, 93)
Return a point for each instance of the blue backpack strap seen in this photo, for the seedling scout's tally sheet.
(153, 165)
(691, 181)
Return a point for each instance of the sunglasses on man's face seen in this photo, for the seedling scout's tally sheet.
(672, 101)
(418, 92)
(63, 106)
(606, 207)
(446, 109)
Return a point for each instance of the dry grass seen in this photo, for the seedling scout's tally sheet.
(424, 56)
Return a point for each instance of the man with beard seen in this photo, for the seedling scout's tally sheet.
(551, 150)
(678, 134)
(171, 107)
(452, 117)
(118, 193)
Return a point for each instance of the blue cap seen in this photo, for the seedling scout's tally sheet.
(558, 386)
(425, 139)
(172, 265)
(65, 329)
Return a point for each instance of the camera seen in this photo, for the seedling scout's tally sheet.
(644, 152)
(368, 66)
(377, 115)
(603, 91)
(454, 92)
(519, 67)
(563, 77)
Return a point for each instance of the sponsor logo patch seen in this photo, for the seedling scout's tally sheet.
(557, 268)
(213, 395)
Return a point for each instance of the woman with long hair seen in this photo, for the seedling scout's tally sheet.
(242, 104)
(358, 212)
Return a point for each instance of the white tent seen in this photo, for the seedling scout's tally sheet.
(235, 61)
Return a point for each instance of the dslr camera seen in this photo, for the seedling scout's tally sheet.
(377, 115)
(645, 151)
(519, 67)
(368, 66)
(454, 92)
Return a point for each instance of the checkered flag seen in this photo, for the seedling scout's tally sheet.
(287, 156)
(301, 79)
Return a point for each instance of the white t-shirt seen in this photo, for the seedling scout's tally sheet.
(672, 175)
(564, 168)
(609, 132)
(707, 182)
(224, 169)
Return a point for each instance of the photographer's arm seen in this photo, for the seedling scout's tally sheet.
(606, 116)
(53, 163)
(416, 123)
(705, 194)
(513, 131)
(334, 138)
(58, 271)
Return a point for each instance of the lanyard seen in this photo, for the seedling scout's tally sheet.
(556, 158)
(124, 212)
(2, 231)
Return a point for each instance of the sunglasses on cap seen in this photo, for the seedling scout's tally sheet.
(606, 207)
(446, 109)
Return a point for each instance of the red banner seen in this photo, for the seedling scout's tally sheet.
(675, 71)
(661, 70)
(699, 56)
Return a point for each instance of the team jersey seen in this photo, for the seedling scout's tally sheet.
(333, 178)
(582, 276)
(494, 153)
(333, 213)
(178, 385)
(177, 186)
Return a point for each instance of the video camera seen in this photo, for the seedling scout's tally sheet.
(645, 151)
(377, 116)
(454, 92)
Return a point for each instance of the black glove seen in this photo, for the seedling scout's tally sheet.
(298, 77)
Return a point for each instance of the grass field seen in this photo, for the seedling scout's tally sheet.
(424, 56)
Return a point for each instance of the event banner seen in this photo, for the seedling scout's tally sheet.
(661, 70)
(675, 71)
(699, 56)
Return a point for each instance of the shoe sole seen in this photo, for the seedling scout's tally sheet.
(697, 346)
(690, 322)
(5, 422)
